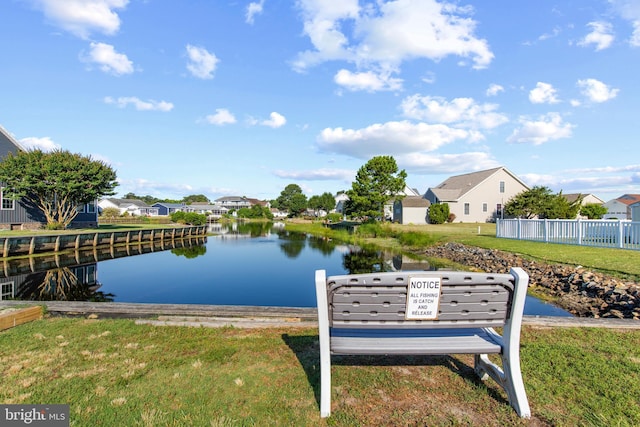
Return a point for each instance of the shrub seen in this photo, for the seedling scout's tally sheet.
(438, 213)
(413, 238)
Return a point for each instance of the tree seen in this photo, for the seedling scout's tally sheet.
(542, 203)
(528, 204)
(56, 182)
(111, 212)
(376, 182)
(326, 202)
(593, 211)
(195, 198)
(292, 200)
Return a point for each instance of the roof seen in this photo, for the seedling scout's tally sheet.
(572, 197)
(629, 199)
(8, 143)
(169, 205)
(135, 202)
(415, 202)
(456, 186)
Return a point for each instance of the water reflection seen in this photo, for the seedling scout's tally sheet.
(73, 276)
(242, 264)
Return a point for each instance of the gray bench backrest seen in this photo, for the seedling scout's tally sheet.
(378, 300)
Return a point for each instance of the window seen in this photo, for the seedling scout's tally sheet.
(466, 208)
(90, 208)
(80, 208)
(6, 290)
(7, 204)
(502, 186)
(485, 207)
(499, 210)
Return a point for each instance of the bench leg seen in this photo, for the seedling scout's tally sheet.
(509, 377)
(325, 383)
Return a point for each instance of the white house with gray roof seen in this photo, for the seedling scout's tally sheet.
(133, 207)
(477, 196)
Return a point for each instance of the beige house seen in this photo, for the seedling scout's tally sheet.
(477, 196)
(411, 210)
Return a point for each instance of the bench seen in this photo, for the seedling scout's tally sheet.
(425, 313)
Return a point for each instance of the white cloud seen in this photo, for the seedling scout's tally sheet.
(596, 91)
(393, 138)
(368, 81)
(494, 89)
(108, 60)
(150, 105)
(202, 64)
(43, 144)
(275, 120)
(464, 112)
(83, 17)
(420, 163)
(221, 117)
(544, 93)
(547, 128)
(634, 40)
(317, 175)
(630, 11)
(387, 33)
(601, 36)
(253, 9)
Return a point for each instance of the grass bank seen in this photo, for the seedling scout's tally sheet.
(619, 262)
(115, 372)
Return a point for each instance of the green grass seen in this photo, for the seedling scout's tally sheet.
(620, 262)
(114, 372)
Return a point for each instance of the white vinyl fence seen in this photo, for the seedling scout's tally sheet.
(604, 233)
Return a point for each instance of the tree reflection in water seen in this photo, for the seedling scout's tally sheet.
(61, 284)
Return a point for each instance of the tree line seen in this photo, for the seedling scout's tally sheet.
(57, 182)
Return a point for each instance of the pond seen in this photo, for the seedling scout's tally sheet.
(248, 264)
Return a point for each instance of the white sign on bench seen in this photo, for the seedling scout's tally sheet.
(425, 313)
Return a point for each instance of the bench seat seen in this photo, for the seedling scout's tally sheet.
(415, 341)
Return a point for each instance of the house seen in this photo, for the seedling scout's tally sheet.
(21, 214)
(215, 210)
(168, 208)
(477, 196)
(132, 207)
(587, 199)
(234, 202)
(620, 208)
(411, 210)
(635, 211)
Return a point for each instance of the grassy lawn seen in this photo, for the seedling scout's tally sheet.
(114, 372)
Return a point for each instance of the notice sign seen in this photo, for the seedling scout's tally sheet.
(423, 298)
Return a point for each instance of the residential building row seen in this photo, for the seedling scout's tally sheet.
(472, 197)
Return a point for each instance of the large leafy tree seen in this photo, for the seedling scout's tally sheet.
(56, 182)
(292, 200)
(376, 182)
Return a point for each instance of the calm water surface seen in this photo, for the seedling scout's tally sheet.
(252, 264)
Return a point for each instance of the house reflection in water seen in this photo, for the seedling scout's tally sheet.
(71, 276)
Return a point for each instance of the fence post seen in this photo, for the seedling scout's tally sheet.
(545, 232)
(620, 234)
(518, 235)
(579, 231)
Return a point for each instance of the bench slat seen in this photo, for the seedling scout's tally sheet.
(414, 342)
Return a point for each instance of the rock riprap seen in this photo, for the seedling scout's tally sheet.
(581, 292)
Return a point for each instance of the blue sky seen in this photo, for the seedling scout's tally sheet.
(243, 98)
